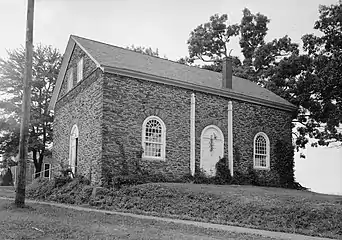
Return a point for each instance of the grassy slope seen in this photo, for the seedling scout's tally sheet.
(266, 208)
(46, 222)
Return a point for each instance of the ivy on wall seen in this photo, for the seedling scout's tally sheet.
(284, 164)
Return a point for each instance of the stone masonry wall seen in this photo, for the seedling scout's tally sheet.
(83, 105)
(210, 110)
(109, 111)
(250, 119)
(127, 103)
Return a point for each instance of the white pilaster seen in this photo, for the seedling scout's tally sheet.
(230, 136)
(192, 134)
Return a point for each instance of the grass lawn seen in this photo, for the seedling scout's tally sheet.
(7, 191)
(275, 209)
(46, 222)
(266, 208)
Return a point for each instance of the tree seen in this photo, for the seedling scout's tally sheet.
(148, 51)
(323, 105)
(46, 64)
(253, 30)
(311, 80)
(209, 41)
(7, 161)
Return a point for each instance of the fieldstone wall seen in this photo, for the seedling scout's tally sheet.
(88, 67)
(127, 103)
(250, 119)
(109, 111)
(210, 110)
(83, 105)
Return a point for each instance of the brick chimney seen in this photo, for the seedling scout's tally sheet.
(227, 73)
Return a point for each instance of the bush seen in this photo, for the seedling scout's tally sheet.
(7, 179)
(221, 177)
(202, 178)
(285, 163)
(61, 180)
(136, 179)
(62, 189)
(239, 178)
(222, 172)
(40, 188)
(252, 177)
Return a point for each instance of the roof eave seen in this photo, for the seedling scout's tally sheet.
(62, 72)
(66, 58)
(220, 92)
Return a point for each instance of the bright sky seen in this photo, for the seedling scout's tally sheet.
(166, 25)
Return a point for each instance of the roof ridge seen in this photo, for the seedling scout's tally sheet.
(108, 44)
(183, 65)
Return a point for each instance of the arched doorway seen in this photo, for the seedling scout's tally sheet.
(73, 149)
(212, 148)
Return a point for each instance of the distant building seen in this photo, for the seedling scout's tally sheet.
(30, 169)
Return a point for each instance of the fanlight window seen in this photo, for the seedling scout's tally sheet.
(154, 138)
(261, 151)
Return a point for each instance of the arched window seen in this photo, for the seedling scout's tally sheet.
(153, 138)
(261, 151)
(73, 148)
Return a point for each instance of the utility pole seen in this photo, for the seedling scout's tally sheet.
(26, 105)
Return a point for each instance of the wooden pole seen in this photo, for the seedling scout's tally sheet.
(26, 104)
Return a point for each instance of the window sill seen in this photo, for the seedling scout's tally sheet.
(261, 168)
(160, 159)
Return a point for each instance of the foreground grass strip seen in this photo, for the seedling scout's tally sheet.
(42, 221)
(264, 208)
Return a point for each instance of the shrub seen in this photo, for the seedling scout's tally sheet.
(40, 188)
(222, 172)
(285, 163)
(185, 178)
(62, 180)
(202, 178)
(221, 177)
(62, 189)
(252, 177)
(143, 177)
(7, 179)
(136, 179)
(239, 178)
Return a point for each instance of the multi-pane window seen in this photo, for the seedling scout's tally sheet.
(70, 79)
(261, 151)
(47, 170)
(80, 70)
(153, 138)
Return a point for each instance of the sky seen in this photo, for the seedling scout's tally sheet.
(166, 25)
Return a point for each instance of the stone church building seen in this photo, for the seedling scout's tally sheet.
(111, 104)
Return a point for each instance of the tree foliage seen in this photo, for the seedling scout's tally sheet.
(144, 50)
(311, 80)
(46, 64)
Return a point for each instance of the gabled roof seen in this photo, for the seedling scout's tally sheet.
(129, 63)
